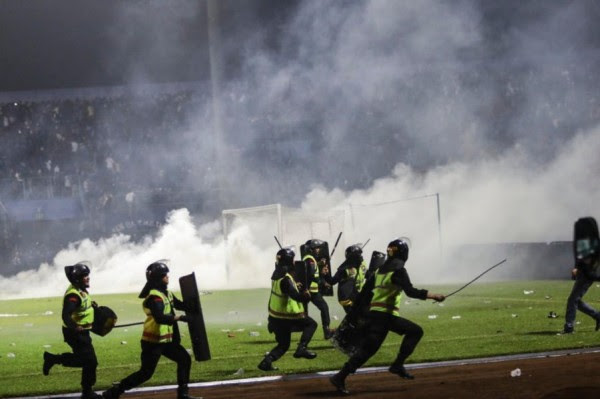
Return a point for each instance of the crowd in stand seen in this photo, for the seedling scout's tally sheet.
(92, 147)
(91, 150)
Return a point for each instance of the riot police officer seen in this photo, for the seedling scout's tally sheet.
(586, 248)
(286, 312)
(350, 276)
(160, 336)
(314, 260)
(387, 285)
(77, 317)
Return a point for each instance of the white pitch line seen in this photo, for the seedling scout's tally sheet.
(366, 370)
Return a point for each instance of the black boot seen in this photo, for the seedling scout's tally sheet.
(49, 361)
(182, 393)
(303, 352)
(113, 392)
(88, 393)
(328, 332)
(399, 369)
(267, 364)
(339, 382)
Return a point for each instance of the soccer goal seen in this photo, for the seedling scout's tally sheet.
(257, 227)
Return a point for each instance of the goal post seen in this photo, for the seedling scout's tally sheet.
(257, 226)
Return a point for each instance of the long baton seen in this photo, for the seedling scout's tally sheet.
(365, 244)
(336, 243)
(278, 243)
(476, 278)
(130, 324)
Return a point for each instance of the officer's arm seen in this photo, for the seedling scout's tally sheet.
(339, 274)
(157, 307)
(289, 289)
(70, 305)
(400, 278)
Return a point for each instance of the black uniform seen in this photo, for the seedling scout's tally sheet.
(283, 328)
(586, 250)
(84, 355)
(317, 299)
(585, 277)
(151, 352)
(345, 276)
(80, 341)
(381, 323)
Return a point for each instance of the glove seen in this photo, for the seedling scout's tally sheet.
(183, 318)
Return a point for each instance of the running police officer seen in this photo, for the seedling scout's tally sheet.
(286, 312)
(314, 260)
(586, 246)
(77, 317)
(350, 275)
(387, 285)
(160, 336)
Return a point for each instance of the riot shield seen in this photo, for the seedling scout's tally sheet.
(197, 329)
(324, 261)
(377, 259)
(301, 274)
(585, 238)
(346, 287)
(104, 320)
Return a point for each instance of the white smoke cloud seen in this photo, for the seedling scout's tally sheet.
(421, 69)
(498, 200)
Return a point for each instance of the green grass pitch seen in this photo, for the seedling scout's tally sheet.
(485, 319)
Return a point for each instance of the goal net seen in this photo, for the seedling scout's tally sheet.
(250, 244)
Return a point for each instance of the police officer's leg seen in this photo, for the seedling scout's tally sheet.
(74, 340)
(83, 357)
(308, 327)
(412, 335)
(88, 371)
(319, 302)
(179, 355)
(376, 332)
(151, 353)
(579, 289)
(283, 335)
(583, 306)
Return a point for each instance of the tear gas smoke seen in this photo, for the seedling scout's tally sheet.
(492, 107)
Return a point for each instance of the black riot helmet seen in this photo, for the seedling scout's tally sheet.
(313, 247)
(76, 273)
(155, 272)
(398, 249)
(285, 257)
(354, 253)
(154, 275)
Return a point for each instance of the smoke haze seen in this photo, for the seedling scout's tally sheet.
(493, 106)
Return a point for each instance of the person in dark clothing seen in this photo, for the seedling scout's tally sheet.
(77, 317)
(286, 313)
(350, 276)
(315, 262)
(387, 286)
(160, 336)
(586, 248)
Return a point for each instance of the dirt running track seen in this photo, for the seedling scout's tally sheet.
(563, 375)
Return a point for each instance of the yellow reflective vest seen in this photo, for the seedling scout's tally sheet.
(282, 306)
(154, 332)
(386, 295)
(84, 315)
